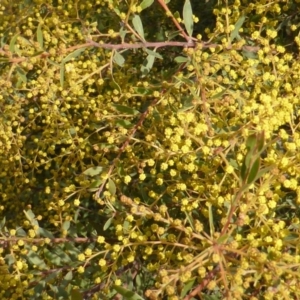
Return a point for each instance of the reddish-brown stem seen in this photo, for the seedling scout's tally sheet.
(169, 13)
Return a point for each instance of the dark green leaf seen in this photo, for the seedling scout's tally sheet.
(244, 171)
(2, 223)
(127, 294)
(187, 287)
(45, 233)
(254, 171)
(95, 185)
(124, 123)
(260, 141)
(126, 110)
(76, 295)
(188, 17)
(291, 237)
(251, 142)
(34, 259)
(249, 158)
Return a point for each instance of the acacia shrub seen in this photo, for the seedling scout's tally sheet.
(166, 181)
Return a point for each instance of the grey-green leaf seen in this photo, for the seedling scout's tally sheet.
(74, 54)
(111, 187)
(107, 224)
(146, 3)
(188, 17)
(62, 75)
(138, 26)
(181, 59)
(237, 27)
(147, 65)
(12, 43)
(119, 59)
(39, 36)
(155, 54)
(93, 171)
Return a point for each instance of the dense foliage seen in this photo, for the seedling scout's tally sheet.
(149, 149)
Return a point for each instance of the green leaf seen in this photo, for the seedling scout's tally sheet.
(2, 223)
(29, 215)
(12, 43)
(181, 59)
(155, 54)
(172, 34)
(147, 65)
(69, 276)
(72, 55)
(254, 171)
(34, 259)
(244, 172)
(127, 294)
(222, 239)
(107, 224)
(122, 33)
(248, 158)
(62, 75)
(211, 220)
(119, 59)
(237, 27)
(111, 187)
(146, 3)
(188, 17)
(138, 280)
(263, 171)
(95, 185)
(124, 123)
(39, 35)
(251, 142)
(138, 26)
(93, 171)
(45, 233)
(72, 131)
(126, 110)
(21, 74)
(66, 225)
(21, 232)
(187, 287)
(260, 141)
(190, 220)
(291, 237)
(76, 295)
